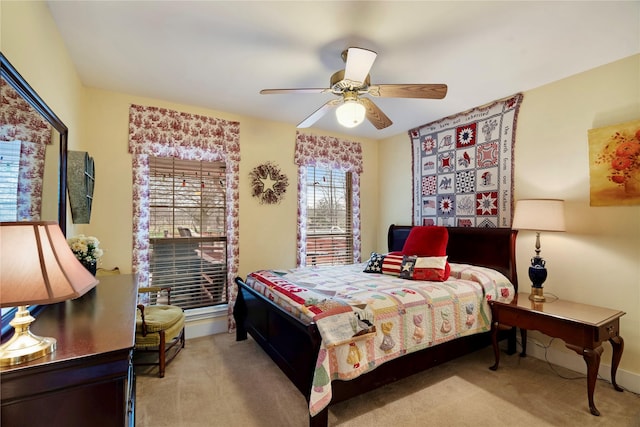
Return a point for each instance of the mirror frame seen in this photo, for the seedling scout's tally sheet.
(11, 75)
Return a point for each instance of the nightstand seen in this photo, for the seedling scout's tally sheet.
(582, 327)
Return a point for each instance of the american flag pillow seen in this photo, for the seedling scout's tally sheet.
(435, 269)
(375, 263)
(392, 263)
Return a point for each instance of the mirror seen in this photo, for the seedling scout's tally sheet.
(54, 192)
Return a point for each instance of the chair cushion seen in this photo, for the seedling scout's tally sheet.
(159, 317)
(152, 340)
(106, 272)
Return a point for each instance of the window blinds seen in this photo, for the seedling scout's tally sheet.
(187, 230)
(9, 171)
(329, 217)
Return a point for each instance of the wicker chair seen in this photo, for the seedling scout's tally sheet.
(159, 330)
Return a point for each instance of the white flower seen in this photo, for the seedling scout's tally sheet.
(85, 248)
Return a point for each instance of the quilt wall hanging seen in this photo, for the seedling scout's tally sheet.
(463, 167)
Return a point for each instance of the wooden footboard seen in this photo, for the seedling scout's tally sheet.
(291, 344)
(294, 346)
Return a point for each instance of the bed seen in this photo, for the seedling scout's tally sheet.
(296, 344)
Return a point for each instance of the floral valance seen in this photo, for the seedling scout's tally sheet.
(161, 132)
(19, 121)
(328, 152)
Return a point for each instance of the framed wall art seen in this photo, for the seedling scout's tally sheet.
(614, 164)
(81, 177)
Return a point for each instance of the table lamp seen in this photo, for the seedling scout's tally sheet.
(538, 215)
(36, 267)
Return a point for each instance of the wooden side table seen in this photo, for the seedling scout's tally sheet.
(582, 327)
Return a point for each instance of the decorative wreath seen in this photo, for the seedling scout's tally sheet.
(268, 183)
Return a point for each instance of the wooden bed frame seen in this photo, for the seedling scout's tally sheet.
(294, 346)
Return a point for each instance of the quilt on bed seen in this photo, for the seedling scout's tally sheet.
(366, 319)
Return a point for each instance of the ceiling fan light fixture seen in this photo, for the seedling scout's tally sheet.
(350, 84)
(350, 114)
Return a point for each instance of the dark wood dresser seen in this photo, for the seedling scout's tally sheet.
(89, 379)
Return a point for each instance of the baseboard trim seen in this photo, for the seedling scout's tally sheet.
(570, 360)
(201, 323)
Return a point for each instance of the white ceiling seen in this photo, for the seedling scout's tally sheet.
(220, 54)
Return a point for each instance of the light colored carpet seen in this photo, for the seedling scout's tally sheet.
(216, 381)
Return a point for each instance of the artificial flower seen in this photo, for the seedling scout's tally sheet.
(85, 248)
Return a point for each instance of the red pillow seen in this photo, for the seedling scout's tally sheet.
(426, 241)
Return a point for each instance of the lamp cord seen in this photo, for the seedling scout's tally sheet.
(555, 371)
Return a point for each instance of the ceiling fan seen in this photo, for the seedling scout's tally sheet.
(352, 83)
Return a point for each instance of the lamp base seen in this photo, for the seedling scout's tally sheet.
(23, 345)
(537, 294)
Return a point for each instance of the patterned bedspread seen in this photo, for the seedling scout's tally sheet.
(367, 319)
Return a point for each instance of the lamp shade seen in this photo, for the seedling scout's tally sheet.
(351, 113)
(539, 215)
(37, 265)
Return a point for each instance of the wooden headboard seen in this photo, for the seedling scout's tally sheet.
(489, 247)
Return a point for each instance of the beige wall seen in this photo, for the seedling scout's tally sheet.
(267, 232)
(597, 261)
(98, 123)
(30, 40)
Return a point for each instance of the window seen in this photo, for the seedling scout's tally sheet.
(187, 231)
(9, 169)
(334, 166)
(329, 217)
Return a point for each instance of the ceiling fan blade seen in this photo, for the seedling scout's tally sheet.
(319, 113)
(431, 91)
(287, 91)
(359, 62)
(375, 114)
